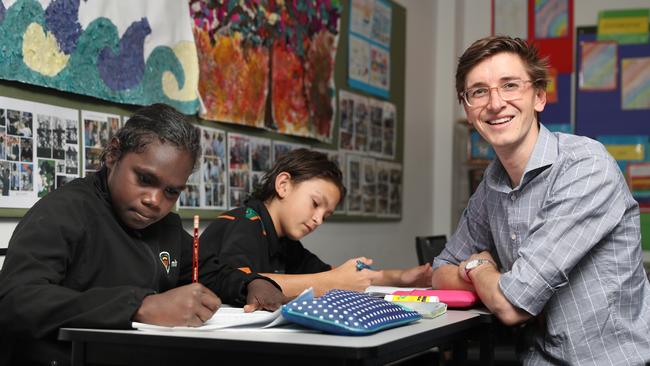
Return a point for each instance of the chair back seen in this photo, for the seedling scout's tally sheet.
(428, 247)
(3, 253)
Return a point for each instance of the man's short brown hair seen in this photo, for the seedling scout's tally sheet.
(484, 48)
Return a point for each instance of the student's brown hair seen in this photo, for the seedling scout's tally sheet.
(484, 48)
(302, 165)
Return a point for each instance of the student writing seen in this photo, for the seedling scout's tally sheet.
(105, 250)
(295, 197)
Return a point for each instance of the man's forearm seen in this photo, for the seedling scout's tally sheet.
(486, 284)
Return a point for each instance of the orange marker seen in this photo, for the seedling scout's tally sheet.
(195, 252)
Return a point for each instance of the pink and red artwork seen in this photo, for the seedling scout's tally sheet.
(268, 63)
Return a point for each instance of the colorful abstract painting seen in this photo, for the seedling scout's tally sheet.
(241, 45)
(128, 52)
(598, 70)
(635, 82)
(551, 18)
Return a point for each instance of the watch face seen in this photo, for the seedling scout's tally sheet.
(472, 264)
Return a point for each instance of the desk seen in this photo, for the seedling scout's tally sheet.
(131, 347)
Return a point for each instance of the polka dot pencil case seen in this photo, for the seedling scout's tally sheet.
(347, 312)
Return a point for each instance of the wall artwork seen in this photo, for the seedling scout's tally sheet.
(635, 83)
(253, 38)
(38, 150)
(369, 46)
(207, 187)
(97, 131)
(127, 52)
(599, 66)
(367, 125)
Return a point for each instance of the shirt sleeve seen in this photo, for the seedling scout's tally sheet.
(224, 248)
(472, 234)
(585, 201)
(238, 243)
(35, 298)
(302, 261)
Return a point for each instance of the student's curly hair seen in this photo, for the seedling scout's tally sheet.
(155, 121)
(302, 165)
(536, 67)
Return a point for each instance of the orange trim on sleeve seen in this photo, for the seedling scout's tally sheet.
(245, 269)
(254, 218)
(227, 217)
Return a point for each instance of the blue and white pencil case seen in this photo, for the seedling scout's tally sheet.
(347, 312)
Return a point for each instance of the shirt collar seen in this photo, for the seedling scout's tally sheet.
(544, 155)
(275, 244)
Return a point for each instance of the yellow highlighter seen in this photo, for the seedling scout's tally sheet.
(410, 298)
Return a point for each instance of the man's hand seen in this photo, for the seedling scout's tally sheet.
(263, 295)
(482, 255)
(189, 305)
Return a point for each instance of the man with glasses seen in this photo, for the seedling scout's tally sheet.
(555, 213)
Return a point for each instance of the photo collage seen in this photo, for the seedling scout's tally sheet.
(43, 146)
(38, 150)
(368, 136)
(98, 130)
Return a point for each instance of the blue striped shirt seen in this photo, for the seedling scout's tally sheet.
(568, 242)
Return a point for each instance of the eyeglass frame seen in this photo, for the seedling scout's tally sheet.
(463, 94)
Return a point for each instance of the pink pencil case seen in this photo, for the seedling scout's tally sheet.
(453, 298)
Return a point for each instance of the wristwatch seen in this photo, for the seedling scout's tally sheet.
(475, 263)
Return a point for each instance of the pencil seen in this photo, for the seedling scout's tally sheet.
(195, 252)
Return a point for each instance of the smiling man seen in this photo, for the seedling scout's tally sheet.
(556, 212)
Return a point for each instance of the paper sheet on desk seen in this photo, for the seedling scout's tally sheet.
(387, 290)
(226, 318)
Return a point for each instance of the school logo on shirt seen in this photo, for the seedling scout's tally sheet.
(164, 258)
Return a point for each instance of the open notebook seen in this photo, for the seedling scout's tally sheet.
(227, 317)
(338, 311)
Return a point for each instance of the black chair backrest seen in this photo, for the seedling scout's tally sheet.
(428, 247)
(3, 252)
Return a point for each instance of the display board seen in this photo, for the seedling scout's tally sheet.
(602, 112)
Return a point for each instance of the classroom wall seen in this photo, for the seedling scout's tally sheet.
(437, 32)
(392, 243)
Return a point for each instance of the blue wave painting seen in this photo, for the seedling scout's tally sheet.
(48, 47)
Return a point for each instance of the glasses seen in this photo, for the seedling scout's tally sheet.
(510, 90)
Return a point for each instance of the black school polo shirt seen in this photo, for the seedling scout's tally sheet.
(245, 238)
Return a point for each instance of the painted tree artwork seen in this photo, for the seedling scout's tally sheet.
(268, 63)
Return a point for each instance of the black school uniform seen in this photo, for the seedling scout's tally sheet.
(72, 263)
(245, 238)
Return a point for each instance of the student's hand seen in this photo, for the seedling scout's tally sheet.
(189, 305)
(419, 276)
(262, 295)
(347, 277)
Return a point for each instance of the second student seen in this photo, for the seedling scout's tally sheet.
(295, 197)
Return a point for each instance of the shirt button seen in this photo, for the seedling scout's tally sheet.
(513, 196)
(513, 236)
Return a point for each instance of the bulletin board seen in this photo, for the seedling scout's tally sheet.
(558, 112)
(600, 113)
(27, 92)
